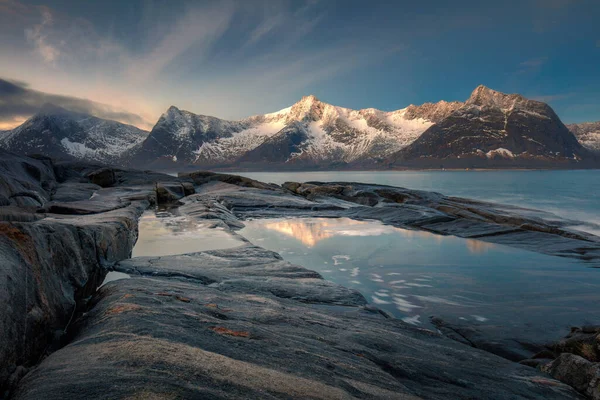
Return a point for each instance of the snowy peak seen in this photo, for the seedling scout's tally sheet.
(309, 108)
(433, 112)
(172, 111)
(483, 96)
(60, 133)
(493, 126)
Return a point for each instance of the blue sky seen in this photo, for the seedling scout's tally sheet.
(238, 58)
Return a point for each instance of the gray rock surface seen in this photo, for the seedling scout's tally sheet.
(57, 238)
(412, 209)
(577, 372)
(231, 323)
(242, 323)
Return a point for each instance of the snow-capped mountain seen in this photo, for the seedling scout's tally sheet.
(309, 132)
(490, 129)
(182, 137)
(495, 128)
(56, 132)
(588, 134)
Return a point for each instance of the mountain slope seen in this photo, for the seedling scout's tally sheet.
(588, 134)
(311, 132)
(494, 128)
(56, 132)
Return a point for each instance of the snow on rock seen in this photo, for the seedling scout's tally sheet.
(56, 132)
(588, 134)
(333, 134)
(500, 152)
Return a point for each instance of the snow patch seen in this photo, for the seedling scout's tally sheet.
(501, 152)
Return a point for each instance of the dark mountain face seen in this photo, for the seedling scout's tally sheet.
(280, 147)
(495, 128)
(489, 130)
(178, 135)
(58, 133)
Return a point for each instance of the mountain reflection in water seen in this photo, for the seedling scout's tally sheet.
(416, 274)
(310, 231)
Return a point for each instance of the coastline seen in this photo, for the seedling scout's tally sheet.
(227, 316)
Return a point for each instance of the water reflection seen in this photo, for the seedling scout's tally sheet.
(163, 233)
(416, 274)
(310, 231)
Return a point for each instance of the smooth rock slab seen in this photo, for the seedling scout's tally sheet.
(249, 269)
(172, 337)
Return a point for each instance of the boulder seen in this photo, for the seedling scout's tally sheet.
(577, 372)
(104, 177)
(584, 342)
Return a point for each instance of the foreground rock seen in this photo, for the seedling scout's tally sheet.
(223, 324)
(412, 209)
(243, 323)
(574, 360)
(577, 372)
(58, 235)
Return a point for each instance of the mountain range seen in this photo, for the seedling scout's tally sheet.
(59, 133)
(490, 129)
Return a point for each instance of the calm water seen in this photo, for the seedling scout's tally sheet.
(163, 233)
(416, 274)
(569, 194)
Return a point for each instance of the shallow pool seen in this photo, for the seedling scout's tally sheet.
(163, 233)
(415, 274)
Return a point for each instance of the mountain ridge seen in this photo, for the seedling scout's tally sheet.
(494, 128)
(489, 128)
(57, 132)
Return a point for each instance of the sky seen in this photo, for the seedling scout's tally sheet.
(131, 60)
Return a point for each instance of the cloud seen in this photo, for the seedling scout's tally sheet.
(552, 97)
(212, 57)
(532, 65)
(39, 37)
(197, 29)
(534, 62)
(18, 102)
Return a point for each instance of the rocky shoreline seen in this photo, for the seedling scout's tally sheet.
(232, 323)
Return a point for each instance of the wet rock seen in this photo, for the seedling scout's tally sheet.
(85, 207)
(103, 177)
(18, 214)
(48, 265)
(577, 372)
(221, 324)
(167, 193)
(27, 198)
(203, 208)
(202, 177)
(490, 338)
(74, 191)
(584, 342)
(50, 262)
(412, 209)
(188, 188)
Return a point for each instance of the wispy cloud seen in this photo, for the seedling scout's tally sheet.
(39, 37)
(18, 102)
(534, 62)
(532, 65)
(549, 98)
(197, 30)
